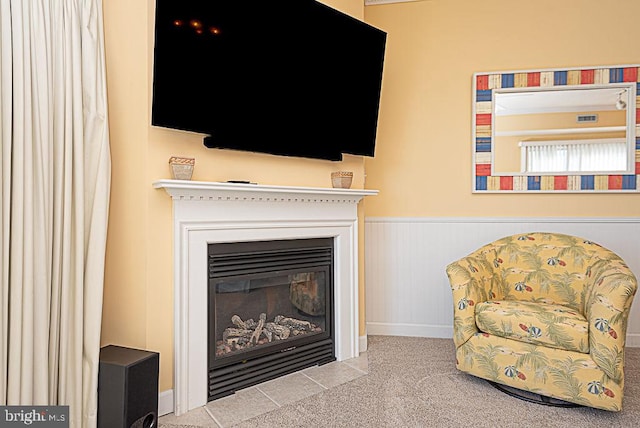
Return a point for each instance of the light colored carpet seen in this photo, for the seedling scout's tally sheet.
(413, 382)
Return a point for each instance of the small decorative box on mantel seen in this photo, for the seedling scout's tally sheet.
(181, 168)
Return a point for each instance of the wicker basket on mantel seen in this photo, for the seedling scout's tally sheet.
(181, 168)
(341, 179)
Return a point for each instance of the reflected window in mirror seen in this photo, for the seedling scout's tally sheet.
(556, 130)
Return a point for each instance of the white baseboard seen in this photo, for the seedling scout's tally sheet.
(414, 330)
(633, 340)
(165, 402)
(362, 343)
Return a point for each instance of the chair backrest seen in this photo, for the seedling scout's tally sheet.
(546, 267)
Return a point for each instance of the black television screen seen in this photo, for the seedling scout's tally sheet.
(292, 77)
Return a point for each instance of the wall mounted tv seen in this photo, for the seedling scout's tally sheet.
(286, 77)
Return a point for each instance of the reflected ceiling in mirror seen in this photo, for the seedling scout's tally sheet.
(570, 130)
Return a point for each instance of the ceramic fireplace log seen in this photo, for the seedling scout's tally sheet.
(235, 333)
(258, 331)
(279, 331)
(293, 323)
(249, 333)
(237, 321)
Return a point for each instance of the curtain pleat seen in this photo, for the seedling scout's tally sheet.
(55, 193)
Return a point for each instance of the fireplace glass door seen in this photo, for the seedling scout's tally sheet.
(270, 310)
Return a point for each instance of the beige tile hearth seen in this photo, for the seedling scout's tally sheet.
(262, 398)
(332, 374)
(288, 389)
(196, 417)
(240, 406)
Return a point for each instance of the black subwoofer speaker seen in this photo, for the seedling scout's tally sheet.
(127, 388)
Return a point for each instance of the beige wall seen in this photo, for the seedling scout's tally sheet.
(423, 159)
(138, 297)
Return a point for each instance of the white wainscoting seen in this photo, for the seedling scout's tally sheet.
(407, 290)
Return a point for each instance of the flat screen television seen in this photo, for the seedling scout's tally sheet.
(286, 77)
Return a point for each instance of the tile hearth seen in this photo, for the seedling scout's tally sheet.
(265, 397)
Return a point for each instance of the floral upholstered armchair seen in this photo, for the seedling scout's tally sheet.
(546, 313)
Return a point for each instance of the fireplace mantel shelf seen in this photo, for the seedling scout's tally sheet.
(206, 190)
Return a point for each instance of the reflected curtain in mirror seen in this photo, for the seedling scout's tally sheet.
(577, 156)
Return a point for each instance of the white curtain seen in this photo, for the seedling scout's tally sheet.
(576, 156)
(55, 170)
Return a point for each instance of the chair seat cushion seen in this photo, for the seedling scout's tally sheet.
(554, 326)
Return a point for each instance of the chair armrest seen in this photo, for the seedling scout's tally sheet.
(612, 292)
(469, 278)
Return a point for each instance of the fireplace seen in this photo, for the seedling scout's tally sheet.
(270, 310)
(206, 213)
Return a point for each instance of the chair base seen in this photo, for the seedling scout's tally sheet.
(532, 397)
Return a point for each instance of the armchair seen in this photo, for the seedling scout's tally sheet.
(546, 313)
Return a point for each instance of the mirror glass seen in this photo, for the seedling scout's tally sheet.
(568, 130)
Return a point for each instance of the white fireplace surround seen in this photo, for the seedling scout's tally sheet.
(210, 212)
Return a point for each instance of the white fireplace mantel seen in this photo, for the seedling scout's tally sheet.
(205, 190)
(212, 212)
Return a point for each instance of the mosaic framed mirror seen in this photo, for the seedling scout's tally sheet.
(557, 130)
